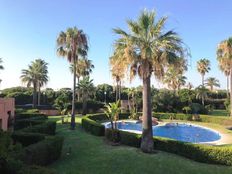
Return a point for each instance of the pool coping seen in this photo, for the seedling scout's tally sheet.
(225, 138)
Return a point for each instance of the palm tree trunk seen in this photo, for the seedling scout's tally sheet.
(147, 135)
(78, 92)
(227, 85)
(203, 80)
(116, 91)
(231, 92)
(39, 94)
(34, 96)
(119, 91)
(73, 124)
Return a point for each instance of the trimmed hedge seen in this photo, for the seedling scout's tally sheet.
(23, 123)
(26, 138)
(30, 115)
(43, 152)
(36, 170)
(93, 127)
(197, 152)
(45, 128)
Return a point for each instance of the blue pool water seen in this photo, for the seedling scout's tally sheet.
(178, 131)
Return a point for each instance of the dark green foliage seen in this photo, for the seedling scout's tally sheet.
(45, 128)
(112, 135)
(20, 124)
(27, 115)
(43, 152)
(26, 138)
(92, 126)
(197, 152)
(36, 170)
(130, 139)
(123, 116)
(196, 108)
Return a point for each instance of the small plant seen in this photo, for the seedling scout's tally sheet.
(186, 109)
(112, 112)
(133, 114)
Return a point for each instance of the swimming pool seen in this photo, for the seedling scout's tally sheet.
(178, 131)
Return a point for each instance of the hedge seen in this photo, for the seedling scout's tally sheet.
(198, 152)
(30, 115)
(23, 123)
(45, 128)
(91, 123)
(36, 170)
(26, 138)
(43, 152)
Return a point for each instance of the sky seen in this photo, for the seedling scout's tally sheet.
(28, 30)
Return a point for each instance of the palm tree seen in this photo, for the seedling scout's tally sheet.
(117, 74)
(174, 79)
(86, 88)
(36, 76)
(84, 67)
(203, 66)
(71, 44)
(132, 92)
(224, 55)
(211, 82)
(201, 93)
(43, 75)
(224, 65)
(147, 50)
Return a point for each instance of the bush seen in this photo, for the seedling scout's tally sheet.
(92, 126)
(26, 115)
(197, 152)
(45, 128)
(36, 170)
(43, 152)
(130, 139)
(196, 108)
(20, 124)
(112, 135)
(27, 138)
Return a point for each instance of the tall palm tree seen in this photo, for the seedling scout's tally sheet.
(71, 44)
(212, 82)
(86, 88)
(224, 66)
(117, 74)
(224, 54)
(43, 75)
(203, 66)
(201, 93)
(84, 67)
(36, 76)
(174, 79)
(147, 50)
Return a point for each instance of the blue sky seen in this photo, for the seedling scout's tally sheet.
(28, 30)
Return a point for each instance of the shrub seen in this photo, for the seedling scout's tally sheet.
(27, 138)
(112, 135)
(26, 115)
(197, 152)
(43, 152)
(92, 126)
(130, 139)
(20, 124)
(36, 170)
(45, 128)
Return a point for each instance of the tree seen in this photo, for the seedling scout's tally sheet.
(84, 67)
(203, 66)
(224, 66)
(86, 88)
(1, 68)
(36, 76)
(117, 74)
(43, 75)
(224, 54)
(71, 44)
(211, 82)
(147, 50)
(201, 93)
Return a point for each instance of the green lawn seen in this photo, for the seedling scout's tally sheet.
(92, 155)
(219, 113)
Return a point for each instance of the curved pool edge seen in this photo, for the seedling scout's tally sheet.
(225, 138)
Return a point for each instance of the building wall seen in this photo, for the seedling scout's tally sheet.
(7, 112)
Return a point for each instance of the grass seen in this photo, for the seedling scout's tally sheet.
(219, 113)
(86, 154)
